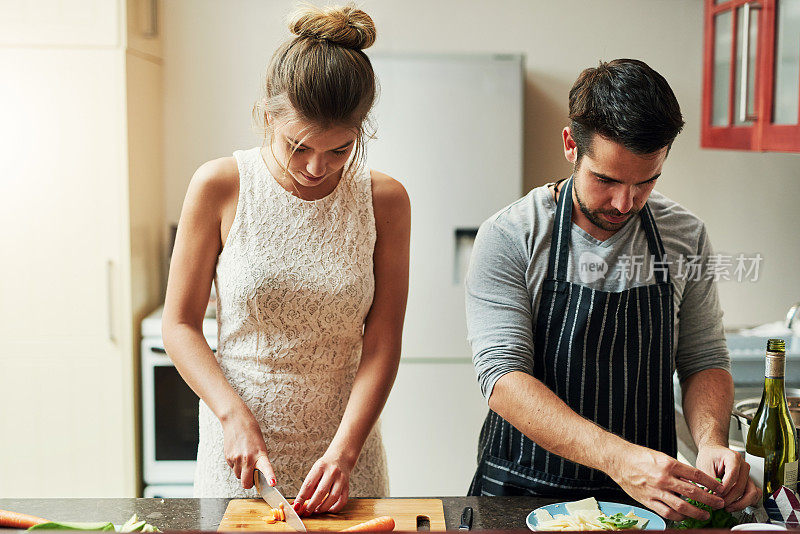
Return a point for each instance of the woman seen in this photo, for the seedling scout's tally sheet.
(309, 252)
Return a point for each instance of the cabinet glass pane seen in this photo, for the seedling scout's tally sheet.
(722, 69)
(751, 60)
(787, 62)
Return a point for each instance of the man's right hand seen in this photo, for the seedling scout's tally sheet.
(661, 482)
(245, 450)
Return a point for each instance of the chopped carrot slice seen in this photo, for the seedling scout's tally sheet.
(275, 515)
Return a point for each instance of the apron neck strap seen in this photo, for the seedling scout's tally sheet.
(562, 229)
(559, 239)
(655, 244)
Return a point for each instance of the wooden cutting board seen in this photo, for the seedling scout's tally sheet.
(246, 514)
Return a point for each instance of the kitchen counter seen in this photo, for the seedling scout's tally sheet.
(490, 513)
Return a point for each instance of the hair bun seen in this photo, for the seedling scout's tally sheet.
(346, 26)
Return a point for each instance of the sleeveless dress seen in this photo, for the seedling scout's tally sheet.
(294, 284)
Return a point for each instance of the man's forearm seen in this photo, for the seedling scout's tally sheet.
(707, 403)
(541, 415)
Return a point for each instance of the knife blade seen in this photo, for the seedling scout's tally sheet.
(466, 519)
(275, 499)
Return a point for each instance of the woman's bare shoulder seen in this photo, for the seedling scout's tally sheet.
(388, 193)
(218, 177)
(213, 187)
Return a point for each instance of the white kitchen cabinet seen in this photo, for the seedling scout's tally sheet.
(61, 23)
(82, 220)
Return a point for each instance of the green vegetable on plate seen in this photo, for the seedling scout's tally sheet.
(618, 521)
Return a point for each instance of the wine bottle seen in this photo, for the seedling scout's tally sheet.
(771, 446)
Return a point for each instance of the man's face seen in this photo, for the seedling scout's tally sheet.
(612, 183)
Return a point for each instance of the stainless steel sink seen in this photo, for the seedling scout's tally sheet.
(747, 359)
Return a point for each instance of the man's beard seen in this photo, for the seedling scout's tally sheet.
(596, 216)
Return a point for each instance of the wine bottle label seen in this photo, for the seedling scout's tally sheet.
(756, 468)
(790, 475)
(775, 365)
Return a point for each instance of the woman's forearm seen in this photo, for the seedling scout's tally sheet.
(196, 363)
(371, 386)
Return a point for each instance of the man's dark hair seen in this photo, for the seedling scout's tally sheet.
(627, 102)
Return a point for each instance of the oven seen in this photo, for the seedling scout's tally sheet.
(169, 416)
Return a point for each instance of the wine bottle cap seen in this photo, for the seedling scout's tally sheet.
(776, 345)
(776, 359)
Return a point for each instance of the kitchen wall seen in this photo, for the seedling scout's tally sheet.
(215, 54)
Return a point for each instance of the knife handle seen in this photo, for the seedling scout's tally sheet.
(466, 519)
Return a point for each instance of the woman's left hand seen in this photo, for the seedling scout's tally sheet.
(326, 487)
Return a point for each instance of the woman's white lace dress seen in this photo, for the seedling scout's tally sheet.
(294, 284)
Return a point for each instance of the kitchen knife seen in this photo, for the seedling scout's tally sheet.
(466, 519)
(275, 499)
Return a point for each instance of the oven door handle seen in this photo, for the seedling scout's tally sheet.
(161, 350)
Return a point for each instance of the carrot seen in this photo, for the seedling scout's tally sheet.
(275, 515)
(383, 524)
(19, 521)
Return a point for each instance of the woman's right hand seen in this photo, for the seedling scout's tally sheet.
(245, 450)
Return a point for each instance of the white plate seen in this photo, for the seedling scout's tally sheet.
(608, 508)
(758, 526)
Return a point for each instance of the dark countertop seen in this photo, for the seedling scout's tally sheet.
(490, 513)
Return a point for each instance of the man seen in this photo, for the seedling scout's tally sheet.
(580, 306)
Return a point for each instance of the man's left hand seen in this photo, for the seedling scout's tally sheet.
(720, 461)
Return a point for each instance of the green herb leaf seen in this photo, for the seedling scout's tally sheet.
(619, 521)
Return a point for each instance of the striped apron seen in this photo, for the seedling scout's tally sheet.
(606, 355)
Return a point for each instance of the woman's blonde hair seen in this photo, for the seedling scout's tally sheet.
(321, 76)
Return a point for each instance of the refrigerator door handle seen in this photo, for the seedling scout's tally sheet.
(112, 334)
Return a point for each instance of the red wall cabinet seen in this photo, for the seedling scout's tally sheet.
(751, 75)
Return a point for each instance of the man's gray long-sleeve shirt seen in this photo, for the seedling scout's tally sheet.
(509, 264)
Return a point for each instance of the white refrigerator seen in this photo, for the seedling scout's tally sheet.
(450, 128)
